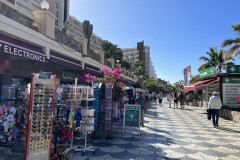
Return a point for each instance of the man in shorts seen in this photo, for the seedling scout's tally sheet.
(160, 96)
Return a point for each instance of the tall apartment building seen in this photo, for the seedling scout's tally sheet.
(140, 53)
(76, 30)
(60, 8)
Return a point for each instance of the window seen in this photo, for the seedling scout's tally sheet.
(146, 50)
(56, 13)
(57, 5)
(56, 22)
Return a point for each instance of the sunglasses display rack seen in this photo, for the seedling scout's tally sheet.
(40, 118)
(79, 97)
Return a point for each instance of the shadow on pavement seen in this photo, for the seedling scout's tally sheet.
(228, 129)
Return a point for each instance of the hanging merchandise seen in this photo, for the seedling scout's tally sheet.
(40, 116)
(78, 118)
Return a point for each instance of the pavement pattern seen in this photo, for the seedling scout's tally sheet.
(170, 134)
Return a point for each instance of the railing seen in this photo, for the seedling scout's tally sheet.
(62, 38)
(17, 16)
(94, 56)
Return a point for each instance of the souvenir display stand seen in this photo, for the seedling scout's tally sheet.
(40, 118)
(96, 104)
(79, 97)
(108, 108)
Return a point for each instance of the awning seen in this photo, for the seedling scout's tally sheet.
(191, 87)
(58, 59)
(93, 70)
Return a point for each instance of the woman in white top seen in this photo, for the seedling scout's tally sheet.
(170, 97)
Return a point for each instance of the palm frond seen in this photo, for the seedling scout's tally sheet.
(203, 67)
(231, 51)
(229, 63)
(204, 59)
(229, 42)
(236, 27)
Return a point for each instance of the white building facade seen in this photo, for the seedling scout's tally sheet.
(140, 54)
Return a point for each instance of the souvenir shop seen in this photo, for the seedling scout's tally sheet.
(44, 110)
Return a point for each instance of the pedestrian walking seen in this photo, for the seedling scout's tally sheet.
(181, 99)
(160, 97)
(150, 97)
(214, 105)
(155, 98)
(142, 102)
(170, 99)
(175, 100)
(147, 101)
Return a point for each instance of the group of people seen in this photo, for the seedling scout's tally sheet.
(214, 103)
(176, 97)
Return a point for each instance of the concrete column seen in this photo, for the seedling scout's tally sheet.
(83, 65)
(112, 61)
(101, 54)
(46, 23)
(84, 42)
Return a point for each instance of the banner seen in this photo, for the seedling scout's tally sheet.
(185, 75)
(188, 74)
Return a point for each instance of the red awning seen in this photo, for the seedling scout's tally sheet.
(191, 87)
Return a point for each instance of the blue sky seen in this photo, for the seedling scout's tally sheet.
(178, 31)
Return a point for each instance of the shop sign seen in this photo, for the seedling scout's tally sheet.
(70, 75)
(231, 91)
(207, 72)
(12, 49)
(233, 69)
(4, 66)
(95, 85)
(131, 116)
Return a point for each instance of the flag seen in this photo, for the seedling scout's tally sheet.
(188, 74)
(185, 75)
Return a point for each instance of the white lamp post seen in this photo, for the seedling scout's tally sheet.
(44, 5)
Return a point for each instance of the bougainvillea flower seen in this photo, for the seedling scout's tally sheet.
(238, 100)
(120, 83)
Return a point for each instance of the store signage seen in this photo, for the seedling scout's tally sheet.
(231, 91)
(4, 66)
(131, 116)
(70, 75)
(12, 49)
(233, 69)
(207, 72)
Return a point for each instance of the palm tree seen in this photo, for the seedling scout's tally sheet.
(234, 43)
(219, 56)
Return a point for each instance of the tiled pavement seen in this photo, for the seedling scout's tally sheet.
(171, 134)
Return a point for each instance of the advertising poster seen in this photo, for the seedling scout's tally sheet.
(132, 116)
(231, 91)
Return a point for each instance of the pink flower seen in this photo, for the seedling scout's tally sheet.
(88, 80)
(120, 83)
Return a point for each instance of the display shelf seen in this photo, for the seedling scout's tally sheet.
(40, 118)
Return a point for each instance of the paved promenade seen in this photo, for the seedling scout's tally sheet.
(168, 134)
(171, 134)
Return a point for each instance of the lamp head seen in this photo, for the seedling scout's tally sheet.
(44, 5)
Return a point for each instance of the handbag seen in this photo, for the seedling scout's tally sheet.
(209, 114)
